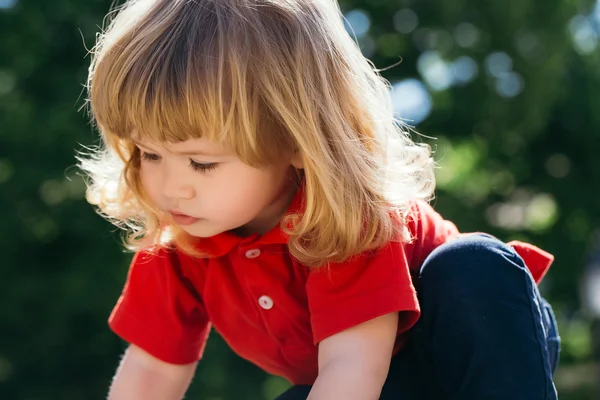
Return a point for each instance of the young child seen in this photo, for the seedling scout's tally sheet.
(251, 151)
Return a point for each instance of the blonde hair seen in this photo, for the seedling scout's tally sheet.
(265, 77)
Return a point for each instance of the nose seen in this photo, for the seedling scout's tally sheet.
(175, 186)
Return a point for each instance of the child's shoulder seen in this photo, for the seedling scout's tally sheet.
(426, 226)
(421, 212)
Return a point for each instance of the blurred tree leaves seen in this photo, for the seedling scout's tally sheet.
(514, 96)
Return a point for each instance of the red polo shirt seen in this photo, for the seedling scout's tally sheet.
(269, 308)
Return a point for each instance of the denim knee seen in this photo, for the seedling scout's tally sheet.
(483, 322)
(472, 261)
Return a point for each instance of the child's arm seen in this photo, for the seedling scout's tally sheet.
(142, 376)
(354, 363)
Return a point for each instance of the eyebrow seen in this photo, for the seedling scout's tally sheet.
(183, 153)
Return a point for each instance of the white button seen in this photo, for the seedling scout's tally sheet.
(265, 302)
(253, 253)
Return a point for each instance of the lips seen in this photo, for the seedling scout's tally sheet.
(183, 219)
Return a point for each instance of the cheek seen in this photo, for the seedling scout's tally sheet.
(260, 189)
(149, 184)
(237, 192)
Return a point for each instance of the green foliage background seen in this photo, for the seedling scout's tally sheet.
(521, 166)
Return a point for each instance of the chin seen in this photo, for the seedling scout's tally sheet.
(202, 231)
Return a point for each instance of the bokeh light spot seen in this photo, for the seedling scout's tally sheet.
(405, 20)
(411, 101)
(357, 22)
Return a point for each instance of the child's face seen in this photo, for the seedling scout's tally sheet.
(206, 181)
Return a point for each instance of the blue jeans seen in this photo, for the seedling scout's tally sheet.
(485, 333)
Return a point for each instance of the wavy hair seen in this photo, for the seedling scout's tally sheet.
(264, 77)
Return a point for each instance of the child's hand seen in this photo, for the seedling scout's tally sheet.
(142, 376)
(354, 364)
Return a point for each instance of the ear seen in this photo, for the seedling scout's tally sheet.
(297, 160)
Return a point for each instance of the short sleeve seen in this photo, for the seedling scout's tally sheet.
(159, 310)
(428, 231)
(367, 286)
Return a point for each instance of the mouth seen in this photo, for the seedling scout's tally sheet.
(183, 219)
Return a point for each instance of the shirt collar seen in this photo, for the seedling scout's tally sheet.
(221, 244)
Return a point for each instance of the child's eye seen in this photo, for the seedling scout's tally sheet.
(201, 167)
(150, 157)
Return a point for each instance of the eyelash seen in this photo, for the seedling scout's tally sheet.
(150, 157)
(199, 167)
(196, 166)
